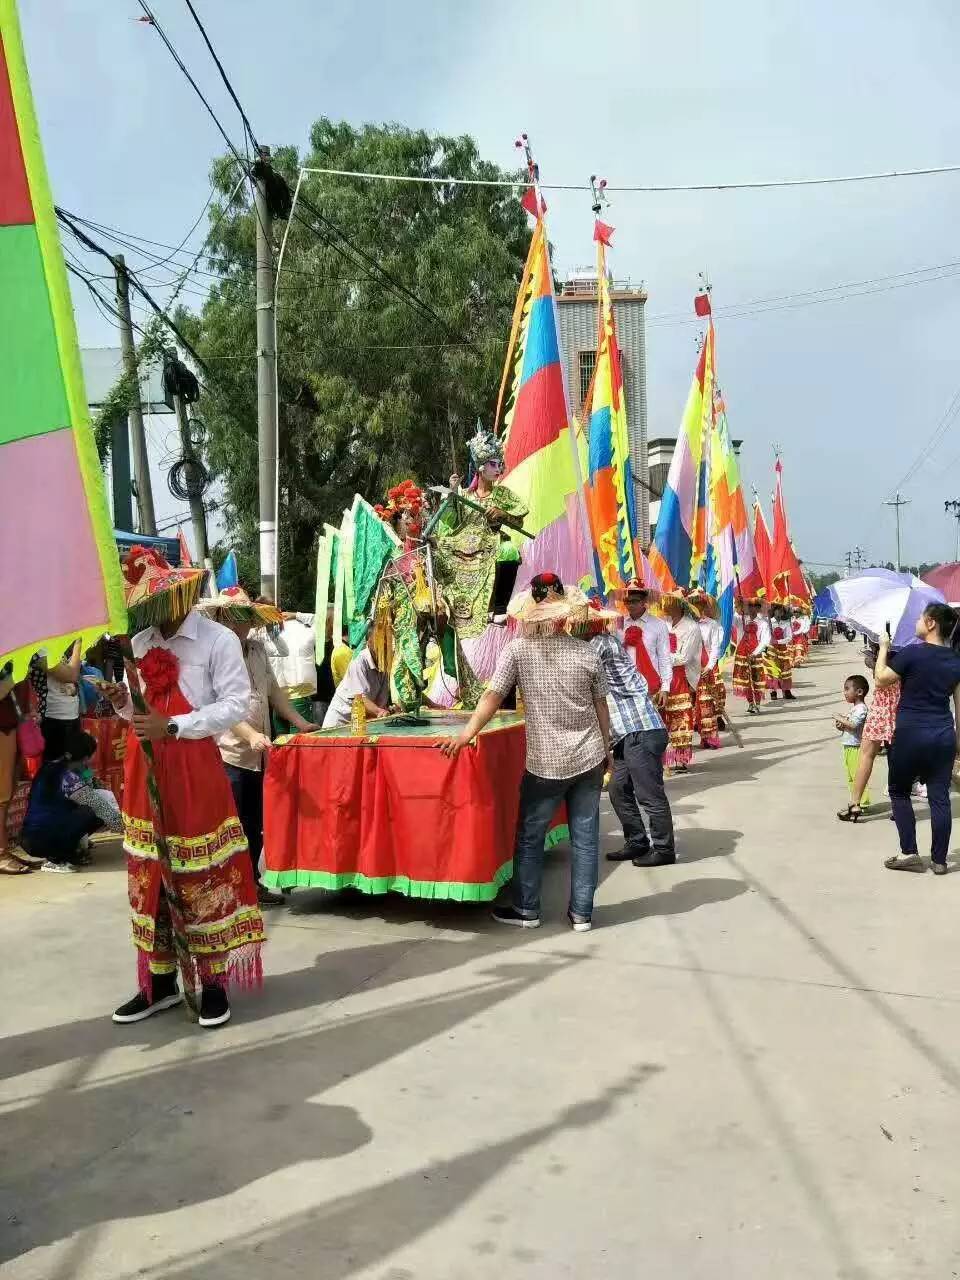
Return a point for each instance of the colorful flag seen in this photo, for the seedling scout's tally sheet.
(724, 493)
(679, 548)
(228, 574)
(541, 457)
(762, 547)
(59, 571)
(786, 575)
(611, 501)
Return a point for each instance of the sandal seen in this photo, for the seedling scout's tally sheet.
(9, 866)
(852, 813)
(27, 859)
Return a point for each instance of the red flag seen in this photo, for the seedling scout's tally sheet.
(761, 544)
(185, 561)
(701, 304)
(529, 201)
(786, 576)
(602, 231)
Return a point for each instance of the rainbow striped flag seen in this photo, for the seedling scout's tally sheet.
(680, 546)
(59, 571)
(611, 502)
(541, 454)
(731, 536)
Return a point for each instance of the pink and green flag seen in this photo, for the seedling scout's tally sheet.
(59, 568)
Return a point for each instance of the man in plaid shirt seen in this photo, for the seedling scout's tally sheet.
(639, 740)
(564, 695)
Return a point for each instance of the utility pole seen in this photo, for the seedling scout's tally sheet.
(198, 514)
(860, 555)
(898, 502)
(266, 383)
(952, 507)
(849, 559)
(138, 435)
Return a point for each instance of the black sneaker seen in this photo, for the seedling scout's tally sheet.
(267, 898)
(655, 859)
(773, 695)
(621, 855)
(939, 868)
(214, 1007)
(507, 915)
(140, 1007)
(788, 696)
(579, 924)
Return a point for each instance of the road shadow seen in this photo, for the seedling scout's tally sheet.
(195, 1129)
(364, 1229)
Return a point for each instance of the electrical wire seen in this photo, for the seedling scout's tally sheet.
(226, 80)
(152, 20)
(399, 289)
(66, 219)
(944, 424)
(646, 188)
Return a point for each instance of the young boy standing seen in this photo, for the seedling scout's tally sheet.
(855, 690)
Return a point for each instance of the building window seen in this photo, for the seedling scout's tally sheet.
(586, 363)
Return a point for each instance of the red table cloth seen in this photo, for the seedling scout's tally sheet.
(390, 812)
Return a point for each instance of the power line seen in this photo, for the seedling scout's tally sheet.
(213, 54)
(152, 20)
(67, 220)
(648, 188)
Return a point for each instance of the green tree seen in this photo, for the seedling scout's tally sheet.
(372, 388)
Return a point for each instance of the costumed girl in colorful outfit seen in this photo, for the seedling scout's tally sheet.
(780, 654)
(196, 687)
(749, 665)
(711, 694)
(686, 647)
(476, 564)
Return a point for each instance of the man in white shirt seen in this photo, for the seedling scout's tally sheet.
(195, 683)
(292, 653)
(647, 640)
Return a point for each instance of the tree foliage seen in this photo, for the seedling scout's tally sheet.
(372, 387)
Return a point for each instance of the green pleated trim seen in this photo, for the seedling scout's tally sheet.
(454, 890)
(556, 836)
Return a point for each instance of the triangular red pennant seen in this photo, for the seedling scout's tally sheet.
(529, 202)
(602, 231)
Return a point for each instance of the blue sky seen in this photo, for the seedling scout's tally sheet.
(638, 92)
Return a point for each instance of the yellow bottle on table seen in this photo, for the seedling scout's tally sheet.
(358, 716)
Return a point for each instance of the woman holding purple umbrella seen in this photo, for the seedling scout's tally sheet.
(924, 746)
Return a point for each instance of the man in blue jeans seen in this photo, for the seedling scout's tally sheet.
(639, 741)
(568, 728)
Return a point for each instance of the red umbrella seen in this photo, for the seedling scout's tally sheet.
(946, 578)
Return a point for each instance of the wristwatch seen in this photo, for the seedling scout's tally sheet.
(173, 729)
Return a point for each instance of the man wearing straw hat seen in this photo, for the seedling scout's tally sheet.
(196, 686)
(564, 693)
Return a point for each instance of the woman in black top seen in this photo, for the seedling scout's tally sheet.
(925, 742)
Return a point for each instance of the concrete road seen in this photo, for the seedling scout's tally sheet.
(750, 1068)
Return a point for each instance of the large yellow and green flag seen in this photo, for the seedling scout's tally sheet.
(59, 568)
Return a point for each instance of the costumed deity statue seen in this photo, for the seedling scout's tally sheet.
(406, 610)
(476, 563)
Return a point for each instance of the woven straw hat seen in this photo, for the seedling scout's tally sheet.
(155, 592)
(234, 605)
